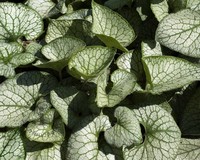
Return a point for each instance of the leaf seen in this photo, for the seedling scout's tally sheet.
(165, 73)
(43, 7)
(46, 132)
(126, 131)
(160, 8)
(17, 96)
(180, 32)
(77, 28)
(162, 135)
(189, 125)
(91, 61)
(151, 48)
(115, 4)
(11, 146)
(83, 142)
(70, 103)
(82, 14)
(48, 153)
(17, 20)
(111, 28)
(59, 51)
(193, 4)
(123, 84)
(189, 149)
(131, 62)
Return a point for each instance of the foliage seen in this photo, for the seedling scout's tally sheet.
(100, 80)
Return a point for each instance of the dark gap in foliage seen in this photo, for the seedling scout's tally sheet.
(143, 132)
(5, 129)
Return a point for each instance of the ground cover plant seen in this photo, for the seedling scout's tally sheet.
(100, 80)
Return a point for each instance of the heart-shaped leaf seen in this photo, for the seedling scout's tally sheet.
(126, 131)
(123, 84)
(18, 20)
(91, 61)
(83, 142)
(180, 32)
(20, 93)
(162, 135)
(111, 27)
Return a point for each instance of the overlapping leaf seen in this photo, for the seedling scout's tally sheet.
(59, 51)
(18, 20)
(70, 103)
(126, 131)
(165, 73)
(19, 94)
(123, 84)
(160, 8)
(111, 28)
(43, 7)
(83, 142)
(77, 28)
(161, 138)
(91, 61)
(11, 145)
(180, 32)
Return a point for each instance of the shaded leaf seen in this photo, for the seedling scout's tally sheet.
(126, 131)
(111, 28)
(162, 135)
(19, 94)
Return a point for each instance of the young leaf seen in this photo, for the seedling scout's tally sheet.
(77, 28)
(111, 28)
(59, 51)
(190, 125)
(159, 8)
(48, 153)
(162, 135)
(123, 84)
(91, 61)
(15, 108)
(83, 142)
(180, 32)
(11, 145)
(43, 7)
(126, 131)
(165, 73)
(70, 104)
(189, 149)
(18, 20)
